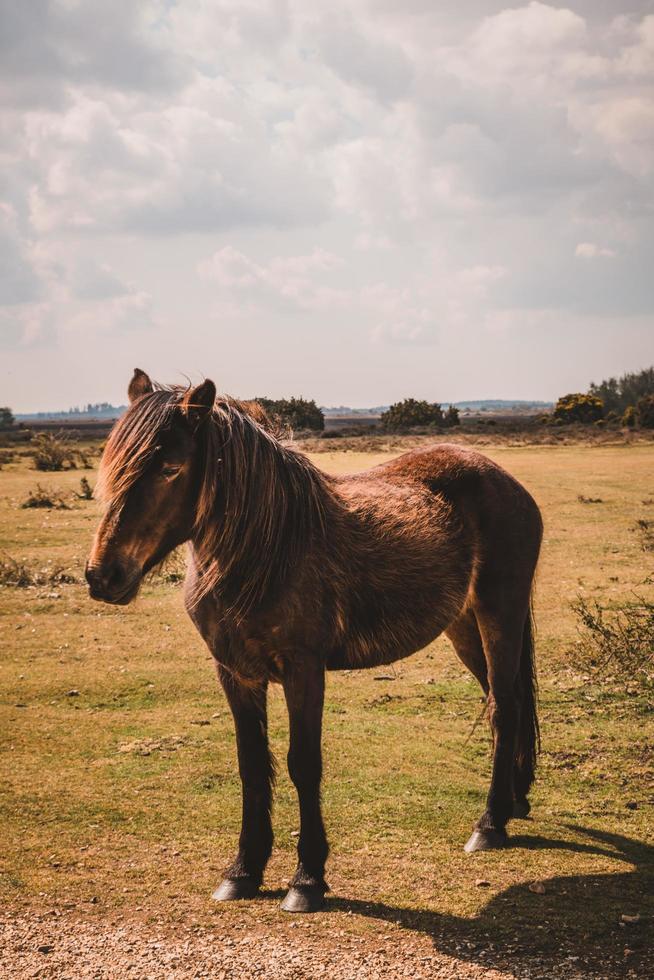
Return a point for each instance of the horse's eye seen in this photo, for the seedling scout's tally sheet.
(170, 470)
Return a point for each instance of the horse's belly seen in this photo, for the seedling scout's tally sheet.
(361, 651)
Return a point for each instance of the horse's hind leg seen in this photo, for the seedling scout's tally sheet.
(465, 637)
(502, 638)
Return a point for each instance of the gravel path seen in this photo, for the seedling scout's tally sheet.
(67, 948)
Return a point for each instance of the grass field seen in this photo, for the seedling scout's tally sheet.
(120, 795)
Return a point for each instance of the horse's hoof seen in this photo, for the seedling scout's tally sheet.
(232, 889)
(304, 898)
(485, 840)
(521, 809)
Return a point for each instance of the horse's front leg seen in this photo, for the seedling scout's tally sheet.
(244, 876)
(304, 689)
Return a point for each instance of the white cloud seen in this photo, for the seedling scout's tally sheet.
(449, 159)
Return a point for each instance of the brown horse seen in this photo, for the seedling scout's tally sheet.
(293, 572)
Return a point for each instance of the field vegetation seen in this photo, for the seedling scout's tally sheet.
(120, 794)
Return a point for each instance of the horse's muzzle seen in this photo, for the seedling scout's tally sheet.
(114, 581)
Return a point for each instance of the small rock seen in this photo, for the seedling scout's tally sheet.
(631, 805)
(482, 883)
(630, 918)
(537, 887)
(72, 694)
(45, 948)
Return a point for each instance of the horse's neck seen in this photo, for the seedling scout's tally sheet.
(271, 509)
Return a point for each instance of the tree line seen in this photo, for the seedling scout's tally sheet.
(628, 400)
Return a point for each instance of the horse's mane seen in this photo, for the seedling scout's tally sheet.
(259, 503)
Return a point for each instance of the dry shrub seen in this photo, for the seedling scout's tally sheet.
(85, 491)
(173, 568)
(645, 529)
(617, 645)
(44, 497)
(20, 575)
(51, 453)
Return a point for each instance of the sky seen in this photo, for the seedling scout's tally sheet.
(355, 202)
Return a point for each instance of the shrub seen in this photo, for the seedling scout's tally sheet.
(20, 575)
(410, 412)
(6, 417)
(629, 417)
(294, 413)
(645, 530)
(645, 412)
(41, 497)
(85, 491)
(578, 407)
(619, 644)
(51, 453)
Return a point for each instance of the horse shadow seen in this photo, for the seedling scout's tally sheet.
(576, 923)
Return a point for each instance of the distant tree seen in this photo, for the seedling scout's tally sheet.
(618, 393)
(578, 407)
(645, 412)
(294, 413)
(411, 412)
(6, 418)
(452, 417)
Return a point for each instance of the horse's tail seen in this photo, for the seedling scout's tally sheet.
(528, 742)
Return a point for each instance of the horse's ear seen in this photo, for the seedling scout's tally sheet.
(139, 385)
(198, 402)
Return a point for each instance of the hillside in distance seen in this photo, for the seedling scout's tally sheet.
(105, 410)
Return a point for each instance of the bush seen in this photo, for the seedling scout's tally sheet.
(85, 491)
(19, 575)
(618, 645)
(410, 412)
(51, 453)
(6, 418)
(645, 530)
(294, 413)
(578, 407)
(645, 412)
(629, 417)
(45, 498)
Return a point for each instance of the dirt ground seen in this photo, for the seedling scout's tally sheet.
(65, 948)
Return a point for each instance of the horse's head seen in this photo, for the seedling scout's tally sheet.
(149, 478)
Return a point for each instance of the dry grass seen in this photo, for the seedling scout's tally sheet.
(120, 795)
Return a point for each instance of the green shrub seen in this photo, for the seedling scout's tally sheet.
(578, 407)
(294, 413)
(645, 412)
(410, 412)
(6, 417)
(51, 453)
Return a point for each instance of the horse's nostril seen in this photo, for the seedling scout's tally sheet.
(115, 576)
(106, 579)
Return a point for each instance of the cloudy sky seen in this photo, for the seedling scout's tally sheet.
(355, 202)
